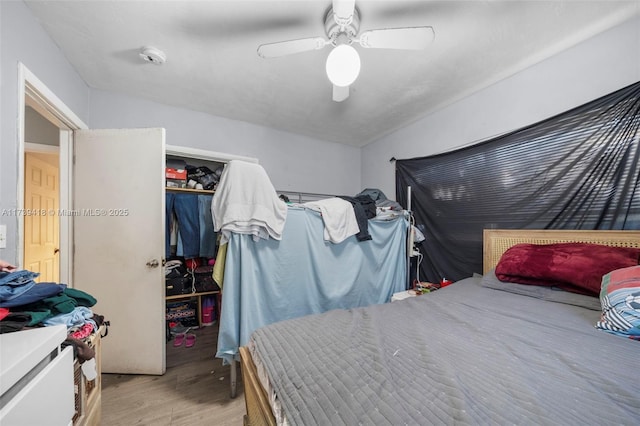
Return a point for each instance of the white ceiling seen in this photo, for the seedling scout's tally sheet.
(212, 65)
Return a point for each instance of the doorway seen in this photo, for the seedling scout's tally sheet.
(41, 197)
(45, 141)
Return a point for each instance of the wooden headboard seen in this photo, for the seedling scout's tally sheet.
(497, 241)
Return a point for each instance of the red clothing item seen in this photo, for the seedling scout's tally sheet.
(85, 331)
(3, 313)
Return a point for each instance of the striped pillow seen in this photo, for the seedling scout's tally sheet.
(620, 300)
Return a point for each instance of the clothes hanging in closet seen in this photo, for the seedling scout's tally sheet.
(196, 236)
(185, 208)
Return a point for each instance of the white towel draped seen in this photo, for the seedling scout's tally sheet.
(339, 219)
(246, 202)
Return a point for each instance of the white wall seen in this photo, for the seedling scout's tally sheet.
(39, 130)
(578, 75)
(22, 39)
(293, 162)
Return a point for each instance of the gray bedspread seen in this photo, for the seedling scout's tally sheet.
(464, 354)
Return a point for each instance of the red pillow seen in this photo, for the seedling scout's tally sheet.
(575, 267)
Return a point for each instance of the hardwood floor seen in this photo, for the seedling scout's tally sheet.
(193, 391)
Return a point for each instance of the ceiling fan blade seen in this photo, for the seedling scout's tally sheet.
(343, 9)
(283, 48)
(340, 93)
(409, 38)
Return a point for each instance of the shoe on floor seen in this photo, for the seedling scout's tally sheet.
(179, 339)
(191, 340)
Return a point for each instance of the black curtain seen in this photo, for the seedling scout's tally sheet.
(577, 170)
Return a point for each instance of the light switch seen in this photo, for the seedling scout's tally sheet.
(3, 236)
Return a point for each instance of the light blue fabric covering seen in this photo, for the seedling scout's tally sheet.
(267, 281)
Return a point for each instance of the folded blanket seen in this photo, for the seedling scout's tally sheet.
(575, 267)
(620, 298)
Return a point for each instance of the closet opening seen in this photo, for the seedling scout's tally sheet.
(193, 294)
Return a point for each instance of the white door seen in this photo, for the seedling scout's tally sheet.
(119, 242)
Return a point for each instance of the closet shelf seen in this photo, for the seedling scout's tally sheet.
(194, 191)
(187, 295)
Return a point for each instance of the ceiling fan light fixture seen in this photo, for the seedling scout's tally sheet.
(343, 65)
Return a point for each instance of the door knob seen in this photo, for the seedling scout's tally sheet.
(56, 251)
(153, 263)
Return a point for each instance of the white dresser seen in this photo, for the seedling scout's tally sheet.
(36, 378)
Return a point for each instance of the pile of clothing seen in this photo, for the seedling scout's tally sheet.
(344, 216)
(26, 304)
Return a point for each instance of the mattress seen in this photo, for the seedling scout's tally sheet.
(465, 354)
(263, 377)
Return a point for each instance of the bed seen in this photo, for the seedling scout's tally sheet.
(466, 354)
(272, 280)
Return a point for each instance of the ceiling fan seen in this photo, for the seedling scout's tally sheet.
(342, 23)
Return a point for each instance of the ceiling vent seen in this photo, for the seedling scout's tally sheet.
(153, 55)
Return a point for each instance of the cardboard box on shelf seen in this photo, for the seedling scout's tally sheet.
(176, 178)
(180, 174)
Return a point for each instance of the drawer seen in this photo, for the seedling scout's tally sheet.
(48, 398)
